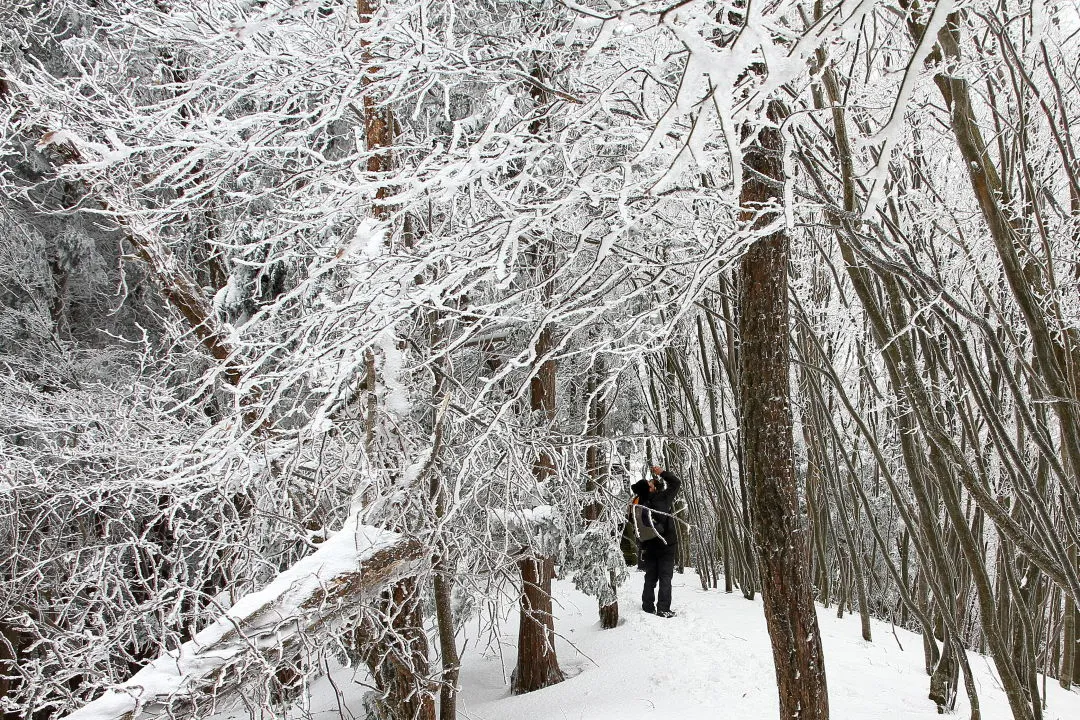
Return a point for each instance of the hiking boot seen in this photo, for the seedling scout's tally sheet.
(666, 613)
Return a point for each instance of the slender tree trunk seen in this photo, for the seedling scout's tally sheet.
(1054, 356)
(884, 317)
(444, 562)
(595, 473)
(451, 661)
(1070, 651)
(739, 559)
(767, 433)
(58, 308)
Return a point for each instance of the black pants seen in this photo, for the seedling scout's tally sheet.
(659, 567)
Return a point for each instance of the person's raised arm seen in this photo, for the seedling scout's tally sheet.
(671, 481)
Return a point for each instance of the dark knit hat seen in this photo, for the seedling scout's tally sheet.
(641, 487)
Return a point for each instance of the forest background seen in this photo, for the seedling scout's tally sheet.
(454, 273)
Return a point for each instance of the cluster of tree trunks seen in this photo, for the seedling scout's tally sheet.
(945, 373)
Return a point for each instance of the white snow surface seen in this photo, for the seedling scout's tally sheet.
(711, 662)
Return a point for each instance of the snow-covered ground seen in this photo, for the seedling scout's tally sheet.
(712, 662)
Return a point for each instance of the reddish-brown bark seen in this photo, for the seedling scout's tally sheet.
(766, 425)
(537, 664)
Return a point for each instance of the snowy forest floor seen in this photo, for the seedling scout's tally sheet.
(713, 661)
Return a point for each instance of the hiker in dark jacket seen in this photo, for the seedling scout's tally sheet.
(655, 524)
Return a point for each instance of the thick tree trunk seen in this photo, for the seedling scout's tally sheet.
(395, 649)
(537, 663)
(767, 435)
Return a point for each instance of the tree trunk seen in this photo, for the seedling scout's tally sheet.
(451, 661)
(444, 563)
(393, 642)
(594, 471)
(537, 663)
(767, 435)
(1070, 651)
(396, 652)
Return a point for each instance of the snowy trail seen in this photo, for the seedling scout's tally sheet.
(712, 662)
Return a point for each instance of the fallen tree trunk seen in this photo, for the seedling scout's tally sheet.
(251, 638)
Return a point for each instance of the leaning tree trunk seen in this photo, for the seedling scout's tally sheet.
(764, 360)
(314, 596)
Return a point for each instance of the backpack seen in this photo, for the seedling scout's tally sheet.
(643, 526)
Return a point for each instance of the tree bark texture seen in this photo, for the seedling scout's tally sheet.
(444, 612)
(396, 652)
(767, 436)
(537, 663)
(378, 122)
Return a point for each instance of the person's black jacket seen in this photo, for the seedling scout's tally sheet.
(662, 502)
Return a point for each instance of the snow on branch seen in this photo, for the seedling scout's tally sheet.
(312, 595)
(714, 81)
(890, 132)
(178, 288)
